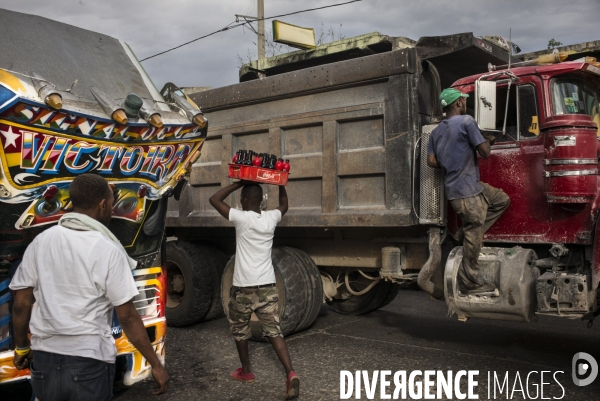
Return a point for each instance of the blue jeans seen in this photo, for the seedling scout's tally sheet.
(56, 377)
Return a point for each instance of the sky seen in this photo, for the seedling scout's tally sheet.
(152, 26)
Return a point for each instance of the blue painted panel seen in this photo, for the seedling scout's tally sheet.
(5, 319)
(5, 95)
(5, 298)
(5, 342)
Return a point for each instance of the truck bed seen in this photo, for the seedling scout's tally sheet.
(346, 131)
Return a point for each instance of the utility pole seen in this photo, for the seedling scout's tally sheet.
(260, 9)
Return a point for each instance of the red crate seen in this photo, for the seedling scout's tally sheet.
(258, 174)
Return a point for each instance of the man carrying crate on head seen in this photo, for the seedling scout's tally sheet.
(254, 288)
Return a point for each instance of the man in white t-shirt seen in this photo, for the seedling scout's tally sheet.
(66, 288)
(254, 288)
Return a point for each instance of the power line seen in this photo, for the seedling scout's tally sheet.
(230, 26)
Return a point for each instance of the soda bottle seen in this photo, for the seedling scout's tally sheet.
(279, 165)
(256, 161)
(286, 166)
(236, 157)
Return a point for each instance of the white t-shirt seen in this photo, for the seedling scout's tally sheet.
(254, 240)
(77, 277)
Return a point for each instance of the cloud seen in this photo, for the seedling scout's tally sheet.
(151, 26)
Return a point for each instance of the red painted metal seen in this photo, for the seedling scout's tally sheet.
(258, 174)
(544, 71)
(568, 120)
(580, 132)
(519, 171)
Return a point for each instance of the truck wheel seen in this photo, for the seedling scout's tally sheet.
(390, 296)
(189, 282)
(314, 289)
(290, 286)
(217, 269)
(380, 295)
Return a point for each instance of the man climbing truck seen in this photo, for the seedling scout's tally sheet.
(453, 147)
(366, 212)
(67, 110)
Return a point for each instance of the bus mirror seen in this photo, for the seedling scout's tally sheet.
(485, 104)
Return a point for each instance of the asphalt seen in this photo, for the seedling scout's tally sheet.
(412, 333)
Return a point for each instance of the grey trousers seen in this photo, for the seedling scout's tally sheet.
(478, 213)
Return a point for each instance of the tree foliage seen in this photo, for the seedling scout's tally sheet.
(553, 44)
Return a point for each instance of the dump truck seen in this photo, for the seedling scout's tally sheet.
(367, 213)
(62, 95)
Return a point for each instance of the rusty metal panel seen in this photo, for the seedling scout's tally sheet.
(211, 151)
(361, 134)
(401, 131)
(416, 256)
(302, 140)
(304, 193)
(460, 55)
(274, 148)
(258, 142)
(207, 173)
(328, 160)
(200, 197)
(320, 78)
(306, 166)
(308, 217)
(207, 170)
(303, 146)
(172, 208)
(349, 148)
(289, 108)
(362, 191)
(370, 161)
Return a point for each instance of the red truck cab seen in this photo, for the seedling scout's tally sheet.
(547, 162)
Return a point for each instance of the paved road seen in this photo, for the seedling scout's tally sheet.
(409, 334)
(412, 333)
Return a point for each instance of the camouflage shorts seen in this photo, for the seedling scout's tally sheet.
(263, 302)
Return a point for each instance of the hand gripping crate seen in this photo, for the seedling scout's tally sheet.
(258, 174)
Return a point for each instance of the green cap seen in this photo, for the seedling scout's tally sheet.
(449, 96)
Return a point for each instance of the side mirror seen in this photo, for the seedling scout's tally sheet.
(485, 104)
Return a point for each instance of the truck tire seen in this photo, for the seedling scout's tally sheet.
(382, 294)
(290, 286)
(217, 269)
(191, 264)
(390, 296)
(314, 288)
